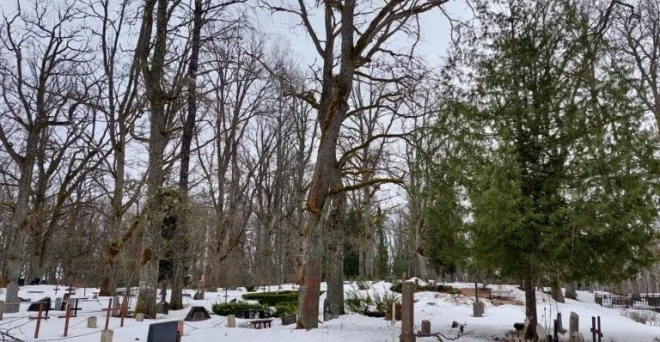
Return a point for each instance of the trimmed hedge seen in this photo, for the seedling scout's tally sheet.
(224, 309)
(398, 287)
(273, 298)
(286, 309)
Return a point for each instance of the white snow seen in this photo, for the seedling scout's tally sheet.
(440, 309)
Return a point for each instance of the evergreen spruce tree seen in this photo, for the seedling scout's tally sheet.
(562, 180)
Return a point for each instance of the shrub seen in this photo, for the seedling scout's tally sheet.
(397, 287)
(224, 309)
(286, 309)
(362, 284)
(273, 298)
(357, 302)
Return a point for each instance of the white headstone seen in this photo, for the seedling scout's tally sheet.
(58, 303)
(2, 308)
(231, 321)
(106, 336)
(573, 327)
(115, 306)
(540, 332)
(139, 317)
(12, 304)
(91, 322)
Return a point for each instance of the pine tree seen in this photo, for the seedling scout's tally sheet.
(563, 184)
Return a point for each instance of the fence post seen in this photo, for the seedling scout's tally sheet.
(107, 314)
(36, 329)
(67, 315)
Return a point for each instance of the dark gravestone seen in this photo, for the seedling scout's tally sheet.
(197, 313)
(326, 310)
(35, 281)
(288, 320)
(163, 332)
(198, 296)
(35, 305)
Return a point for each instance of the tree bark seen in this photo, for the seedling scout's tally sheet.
(153, 71)
(335, 260)
(530, 304)
(556, 291)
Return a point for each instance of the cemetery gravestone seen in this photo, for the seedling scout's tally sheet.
(197, 313)
(574, 328)
(139, 317)
(91, 322)
(231, 321)
(198, 296)
(35, 305)
(478, 309)
(542, 335)
(2, 308)
(106, 336)
(12, 304)
(426, 328)
(326, 310)
(288, 320)
(407, 312)
(115, 306)
(58, 304)
(163, 332)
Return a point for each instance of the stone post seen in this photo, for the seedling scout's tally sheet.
(573, 327)
(426, 328)
(58, 304)
(231, 321)
(12, 304)
(478, 309)
(91, 322)
(106, 336)
(2, 308)
(408, 313)
(139, 317)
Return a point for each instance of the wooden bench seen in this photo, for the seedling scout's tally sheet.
(261, 323)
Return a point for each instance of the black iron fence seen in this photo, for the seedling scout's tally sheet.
(644, 301)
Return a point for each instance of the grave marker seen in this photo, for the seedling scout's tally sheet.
(596, 332)
(58, 304)
(91, 322)
(197, 313)
(139, 317)
(2, 308)
(326, 310)
(231, 321)
(106, 335)
(407, 313)
(163, 332)
(12, 303)
(426, 328)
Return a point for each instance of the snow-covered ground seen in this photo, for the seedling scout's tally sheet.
(440, 309)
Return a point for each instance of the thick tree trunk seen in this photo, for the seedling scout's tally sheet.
(556, 291)
(335, 260)
(419, 255)
(530, 304)
(571, 290)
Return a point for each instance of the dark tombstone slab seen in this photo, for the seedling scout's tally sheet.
(326, 310)
(65, 300)
(197, 313)
(21, 282)
(288, 320)
(198, 296)
(35, 281)
(35, 305)
(163, 308)
(163, 332)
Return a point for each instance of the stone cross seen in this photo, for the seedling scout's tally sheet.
(408, 312)
(12, 304)
(91, 322)
(595, 330)
(2, 308)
